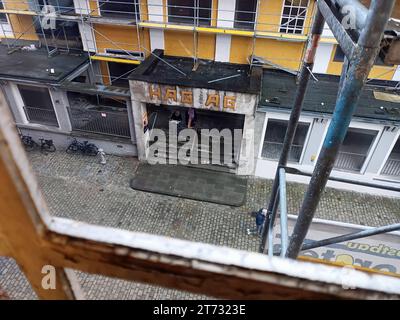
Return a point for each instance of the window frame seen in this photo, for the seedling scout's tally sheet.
(191, 20)
(251, 24)
(135, 16)
(294, 28)
(285, 117)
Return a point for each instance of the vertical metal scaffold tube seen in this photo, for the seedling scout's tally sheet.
(304, 77)
(283, 211)
(359, 66)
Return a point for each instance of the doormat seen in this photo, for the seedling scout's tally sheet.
(191, 183)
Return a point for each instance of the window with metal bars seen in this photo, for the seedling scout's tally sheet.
(245, 14)
(293, 16)
(127, 9)
(3, 16)
(193, 12)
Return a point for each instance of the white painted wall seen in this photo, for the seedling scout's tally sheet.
(82, 6)
(88, 39)
(396, 76)
(225, 18)
(157, 39)
(323, 57)
(155, 10)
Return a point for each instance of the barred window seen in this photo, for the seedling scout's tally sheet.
(192, 12)
(3, 16)
(293, 16)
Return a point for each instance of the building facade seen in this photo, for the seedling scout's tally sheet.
(80, 75)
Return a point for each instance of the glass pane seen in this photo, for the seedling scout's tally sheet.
(120, 8)
(181, 11)
(274, 138)
(245, 14)
(37, 97)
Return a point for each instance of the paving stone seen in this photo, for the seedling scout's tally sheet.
(78, 187)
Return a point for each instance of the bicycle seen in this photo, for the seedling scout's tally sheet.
(84, 148)
(28, 143)
(47, 145)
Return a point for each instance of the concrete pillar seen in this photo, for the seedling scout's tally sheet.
(225, 19)
(247, 152)
(131, 121)
(139, 112)
(11, 94)
(316, 137)
(383, 149)
(60, 104)
(156, 11)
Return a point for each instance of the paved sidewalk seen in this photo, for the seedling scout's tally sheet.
(78, 187)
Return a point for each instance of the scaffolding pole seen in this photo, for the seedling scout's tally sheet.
(360, 61)
(308, 63)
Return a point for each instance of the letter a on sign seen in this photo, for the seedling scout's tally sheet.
(212, 99)
(170, 94)
(49, 280)
(187, 97)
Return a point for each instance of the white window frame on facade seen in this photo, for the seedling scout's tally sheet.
(388, 155)
(366, 126)
(279, 116)
(292, 30)
(20, 104)
(6, 30)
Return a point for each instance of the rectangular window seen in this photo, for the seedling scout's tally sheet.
(128, 9)
(3, 16)
(245, 14)
(193, 12)
(38, 105)
(354, 150)
(392, 165)
(65, 36)
(119, 72)
(293, 16)
(274, 136)
(60, 6)
(339, 57)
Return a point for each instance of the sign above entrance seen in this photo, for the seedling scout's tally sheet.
(199, 98)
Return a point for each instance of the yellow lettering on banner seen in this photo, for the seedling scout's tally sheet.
(212, 99)
(154, 91)
(170, 94)
(345, 259)
(187, 97)
(230, 102)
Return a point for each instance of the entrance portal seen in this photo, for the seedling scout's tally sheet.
(218, 136)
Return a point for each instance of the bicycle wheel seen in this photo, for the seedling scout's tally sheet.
(72, 149)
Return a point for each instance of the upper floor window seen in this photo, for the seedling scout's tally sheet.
(245, 14)
(60, 6)
(339, 57)
(3, 16)
(128, 9)
(293, 16)
(194, 12)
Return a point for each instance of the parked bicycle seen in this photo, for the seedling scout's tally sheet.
(47, 145)
(28, 143)
(84, 147)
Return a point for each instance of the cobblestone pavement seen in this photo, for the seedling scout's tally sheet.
(78, 187)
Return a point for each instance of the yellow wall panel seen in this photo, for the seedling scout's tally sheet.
(284, 53)
(206, 46)
(23, 27)
(16, 5)
(116, 37)
(269, 16)
(178, 43)
(241, 48)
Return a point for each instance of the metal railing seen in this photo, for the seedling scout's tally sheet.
(111, 123)
(349, 161)
(272, 150)
(41, 116)
(392, 167)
